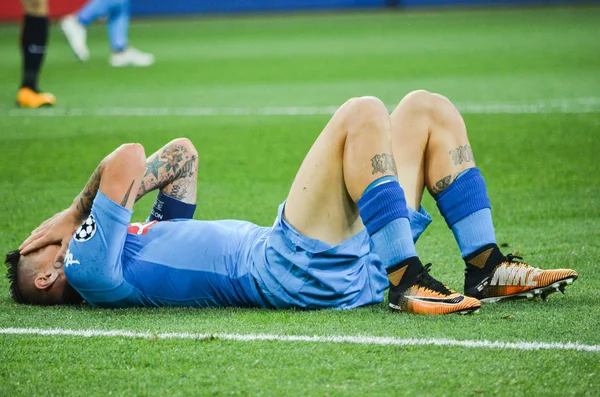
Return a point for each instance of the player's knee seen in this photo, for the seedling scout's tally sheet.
(369, 105)
(435, 106)
(419, 101)
(443, 104)
(367, 110)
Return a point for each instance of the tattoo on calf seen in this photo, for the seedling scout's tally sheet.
(383, 163)
(461, 154)
(443, 184)
(126, 198)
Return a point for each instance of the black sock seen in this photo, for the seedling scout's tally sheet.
(34, 36)
(481, 263)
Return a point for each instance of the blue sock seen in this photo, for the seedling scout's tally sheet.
(166, 208)
(383, 211)
(467, 210)
(118, 26)
(419, 220)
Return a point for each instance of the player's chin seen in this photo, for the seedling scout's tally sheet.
(70, 296)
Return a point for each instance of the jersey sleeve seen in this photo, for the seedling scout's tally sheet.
(93, 264)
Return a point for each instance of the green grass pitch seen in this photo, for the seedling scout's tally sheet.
(529, 83)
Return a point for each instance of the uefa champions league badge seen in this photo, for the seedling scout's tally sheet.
(87, 230)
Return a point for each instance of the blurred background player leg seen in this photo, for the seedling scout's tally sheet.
(34, 37)
(118, 13)
(118, 28)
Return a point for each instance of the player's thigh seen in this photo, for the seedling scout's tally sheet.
(318, 204)
(35, 7)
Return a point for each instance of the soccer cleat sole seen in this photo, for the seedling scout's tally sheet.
(541, 292)
(474, 310)
(470, 310)
(42, 106)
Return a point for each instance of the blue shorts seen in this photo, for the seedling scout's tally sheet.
(293, 270)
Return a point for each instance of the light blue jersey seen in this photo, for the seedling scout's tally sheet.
(183, 262)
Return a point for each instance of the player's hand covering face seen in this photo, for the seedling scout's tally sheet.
(56, 230)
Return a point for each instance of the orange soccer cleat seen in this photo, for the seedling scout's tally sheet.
(28, 98)
(512, 279)
(426, 295)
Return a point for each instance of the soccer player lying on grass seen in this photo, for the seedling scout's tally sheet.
(342, 237)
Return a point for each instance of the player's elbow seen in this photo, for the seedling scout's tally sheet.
(135, 151)
(130, 156)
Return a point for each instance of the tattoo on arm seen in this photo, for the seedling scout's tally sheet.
(86, 198)
(383, 163)
(174, 157)
(462, 154)
(153, 166)
(170, 164)
(178, 191)
(142, 190)
(443, 184)
(126, 198)
(188, 168)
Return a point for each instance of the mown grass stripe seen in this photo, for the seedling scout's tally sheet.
(366, 340)
(575, 105)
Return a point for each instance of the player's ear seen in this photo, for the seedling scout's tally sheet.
(45, 280)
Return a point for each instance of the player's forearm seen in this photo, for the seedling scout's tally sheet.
(82, 204)
(172, 164)
(167, 167)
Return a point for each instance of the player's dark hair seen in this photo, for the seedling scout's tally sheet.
(12, 262)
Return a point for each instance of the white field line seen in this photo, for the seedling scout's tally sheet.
(575, 105)
(363, 340)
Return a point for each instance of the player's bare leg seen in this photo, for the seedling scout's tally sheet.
(34, 38)
(337, 169)
(118, 13)
(349, 177)
(430, 141)
(430, 144)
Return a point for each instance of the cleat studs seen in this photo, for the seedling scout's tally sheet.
(530, 296)
(569, 281)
